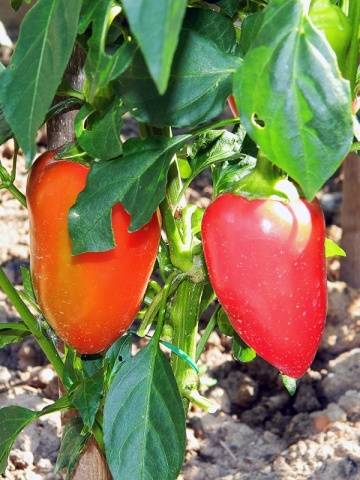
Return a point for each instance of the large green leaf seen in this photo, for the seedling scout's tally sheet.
(101, 137)
(28, 86)
(87, 13)
(156, 26)
(216, 28)
(292, 98)
(200, 79)
(144, 420)
(12, 420)
(5, 130)
(102, 67)
(137, 178)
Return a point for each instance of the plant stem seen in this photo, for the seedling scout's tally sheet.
(15, 192)
(153, 309)
(31, 323)
(98, 434)
(184, 316)
(7, 181)
(353, 56)
(180, 252)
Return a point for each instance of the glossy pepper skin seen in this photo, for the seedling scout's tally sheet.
(92, 298)
(266, 263)
(334, 24)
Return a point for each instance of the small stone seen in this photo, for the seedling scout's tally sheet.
(44, 466)
(220, 397)
(21, 459)
(321, 422)
(33, 476)
(324, 452)
(5, 375)
(348, 448)
(322, 419)
(214, 339)
(302, 447)
(46, 375)
(192, 443)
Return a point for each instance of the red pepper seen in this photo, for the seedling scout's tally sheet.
(92, 298)
(266, 263)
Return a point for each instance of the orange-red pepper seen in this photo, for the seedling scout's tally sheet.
(92, 298)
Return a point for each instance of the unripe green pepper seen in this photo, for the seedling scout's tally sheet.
(334, 24)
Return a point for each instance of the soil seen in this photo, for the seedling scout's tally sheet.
(259, 432)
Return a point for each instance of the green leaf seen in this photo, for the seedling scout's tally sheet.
(292, 98)
(5, 130)
(216, 28)
(241, 351)
(87, 14)
(230, 177)
(119, 352)
(224, 323)
(86, 397)
(230, 7)
(213, 147)
(61, 403)
(72, 445)
(12, 332)
(332, 249)
(249, 29)
(156, 26)
(143, 413)
(137, 178)
(12, 421)
(100, 66)
(101, 137)
(289, 383)
(15, 326)
(28, 85)
(27, 283)
(199, 84)
(73, 368)
(12, 335)
(91, 364)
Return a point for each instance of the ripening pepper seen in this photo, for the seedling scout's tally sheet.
(92, 298)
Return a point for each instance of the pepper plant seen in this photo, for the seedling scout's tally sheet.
(107, 212)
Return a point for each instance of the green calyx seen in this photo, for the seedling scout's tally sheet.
(257, 179)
